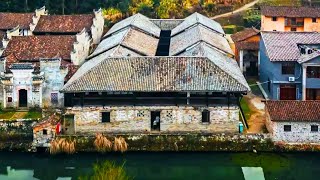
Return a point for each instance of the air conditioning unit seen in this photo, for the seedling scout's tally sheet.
(291, 79)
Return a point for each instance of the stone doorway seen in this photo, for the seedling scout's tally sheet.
(155, 120)
(23, 98)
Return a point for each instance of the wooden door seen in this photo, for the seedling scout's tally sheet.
(288, 92)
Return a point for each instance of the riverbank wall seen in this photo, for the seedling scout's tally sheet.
(169, 142)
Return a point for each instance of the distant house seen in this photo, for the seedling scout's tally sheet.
(71, 25)
(290, 65)
(294, 121)
(247, 50)
(25, 21)
(158, 76)
(34, 68)
(283, 18)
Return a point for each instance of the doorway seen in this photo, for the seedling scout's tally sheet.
(23, 98)
(288, 92)
(155, 120)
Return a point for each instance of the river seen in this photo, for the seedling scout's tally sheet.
(214, 165)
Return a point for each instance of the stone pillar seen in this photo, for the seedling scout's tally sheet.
(304, 82)
(241, 60)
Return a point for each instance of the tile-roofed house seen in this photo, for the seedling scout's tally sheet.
(294, 121)
(247, 50)
(283, 46)
(25, 21)
(285, 18)
(290, 11)
(196, 19)
(71, 25)
(38, 66)
(289, 65)
(126, 85)
(181, 42)
(136, 21)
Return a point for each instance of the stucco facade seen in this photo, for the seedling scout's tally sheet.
(138, 119)
(97, 26)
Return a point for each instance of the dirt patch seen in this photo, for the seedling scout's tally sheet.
(257, 120)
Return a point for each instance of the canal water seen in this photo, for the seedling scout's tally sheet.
(216, 166)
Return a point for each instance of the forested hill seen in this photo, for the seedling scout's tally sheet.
(121, 8)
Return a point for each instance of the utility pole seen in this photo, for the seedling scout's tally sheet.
(63, 7)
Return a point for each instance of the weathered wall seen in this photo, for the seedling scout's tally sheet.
(268, 25)
(311, 26)
(80, 48)
(300, 132)
(97, 27)
(172, 119)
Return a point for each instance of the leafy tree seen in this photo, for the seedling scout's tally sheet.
(168, 8)
(142, 6)
(112, 14)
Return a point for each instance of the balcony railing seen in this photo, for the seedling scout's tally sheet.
(291, 23)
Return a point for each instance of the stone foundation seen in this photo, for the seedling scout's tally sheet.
(172, 119)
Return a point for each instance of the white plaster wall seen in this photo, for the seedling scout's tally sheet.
(300, 132)
(97, 27)
(22, 79)
(54, 81)
(81, 48)
(173, 118)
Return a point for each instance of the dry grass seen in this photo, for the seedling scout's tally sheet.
(62, 145)
(120, 144)
(102, 143)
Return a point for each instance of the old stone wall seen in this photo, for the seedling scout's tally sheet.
(300, 132)
(172, 119)
(17, 126)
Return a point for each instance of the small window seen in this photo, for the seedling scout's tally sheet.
(287, 128)
(293, 29)
(105, 117)
(314, 20)
(54, 98)
(274, 30)
(274, 18)
(205, 116)
(44, 132)
(288, 68)
(9, 99)
(314, 128)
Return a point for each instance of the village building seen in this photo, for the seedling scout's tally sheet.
(290, 65)
(284, 18)
(293, 121)
(34, 69)
(72, 25)
(247, 50)
(158, 76)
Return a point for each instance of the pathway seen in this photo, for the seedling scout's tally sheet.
(257, 120)
(243, 8)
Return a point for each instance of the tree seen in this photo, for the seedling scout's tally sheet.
(168, 8)
(142, 6)
(112, 14)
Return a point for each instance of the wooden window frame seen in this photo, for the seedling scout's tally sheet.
(288, 68)
(314, 20)
(274, 18)
(205, 116)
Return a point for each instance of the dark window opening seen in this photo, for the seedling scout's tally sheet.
(274, 18)
(287, 128)
(155, 120)
(205, 116)
(164, 43)
(314, 20)
(313, 72)
(54, 98)
(288, 68)
(9, 99)
(293, 29)
(44, 132)
(314, 128)
(23, 98)
(105, 117)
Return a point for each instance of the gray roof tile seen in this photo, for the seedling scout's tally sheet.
(283, 46)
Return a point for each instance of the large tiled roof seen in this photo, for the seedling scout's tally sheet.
(289, 11)
(64, 23)
(130, 38)
(283, 46)
(31, 48)
(294, 110)
(195, 19)
(154, 74)
(136, 21)
(244, 34)
(12, 20)
(196, 34)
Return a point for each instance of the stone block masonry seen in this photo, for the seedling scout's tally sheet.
(137, 119)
